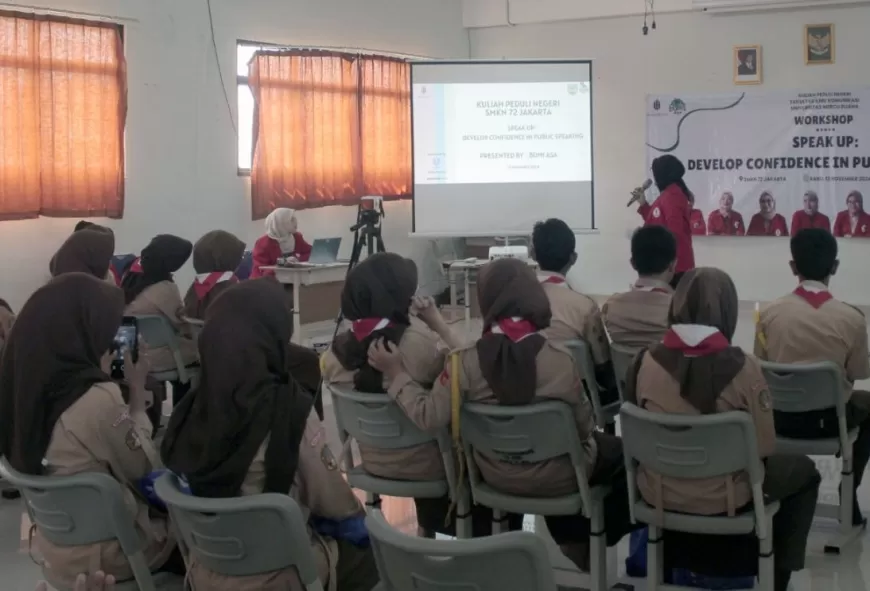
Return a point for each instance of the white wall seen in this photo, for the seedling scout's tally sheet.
(690, 52)
(181, 151)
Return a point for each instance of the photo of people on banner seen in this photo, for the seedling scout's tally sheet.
(769, 163)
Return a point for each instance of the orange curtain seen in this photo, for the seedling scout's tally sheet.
(63, 103)
(328, 128)
(385, 116)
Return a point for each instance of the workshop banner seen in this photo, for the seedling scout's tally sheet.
(769, 163)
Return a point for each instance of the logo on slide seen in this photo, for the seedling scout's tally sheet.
(677, 106)
(657, 105)
(573, 89)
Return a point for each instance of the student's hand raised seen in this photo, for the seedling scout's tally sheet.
(386, 358)
(424, 307)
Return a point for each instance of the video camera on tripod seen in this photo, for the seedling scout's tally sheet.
(367, 229)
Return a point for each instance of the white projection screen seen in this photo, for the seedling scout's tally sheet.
(500, 145)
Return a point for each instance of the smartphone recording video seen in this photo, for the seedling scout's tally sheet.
(126, 339)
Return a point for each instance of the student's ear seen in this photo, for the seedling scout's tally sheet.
(794, 270)
(572, 260)
(835, 266)
(631, 262)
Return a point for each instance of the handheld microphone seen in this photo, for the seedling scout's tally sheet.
(638, 193)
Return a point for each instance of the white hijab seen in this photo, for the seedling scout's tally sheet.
(280, 226)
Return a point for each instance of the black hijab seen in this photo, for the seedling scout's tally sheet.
(163, 256)
(52, 358)
(244, 396)
(379, 287)
(506, 289)
(668, 170)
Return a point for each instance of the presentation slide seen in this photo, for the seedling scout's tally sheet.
(501, 145)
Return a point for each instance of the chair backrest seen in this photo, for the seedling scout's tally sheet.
(586, 365)
(522, 434)
(120, 262)
(622, 359)
(691, 447)
(516, 560)
(805, 387)
(157, 332)
(242, 536)
(243, 272)
(80, 510)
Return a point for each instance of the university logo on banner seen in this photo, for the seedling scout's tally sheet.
(770, 163)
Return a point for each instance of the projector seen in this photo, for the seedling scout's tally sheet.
(509, 252)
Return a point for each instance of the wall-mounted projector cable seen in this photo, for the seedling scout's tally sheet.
(649, 9)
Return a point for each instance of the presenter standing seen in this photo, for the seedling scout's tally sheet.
(671, 209)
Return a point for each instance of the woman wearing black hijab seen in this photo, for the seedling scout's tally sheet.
(672, 209)
(61, 413)
(247, 428)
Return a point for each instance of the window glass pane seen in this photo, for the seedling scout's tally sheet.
(246, 126)
(244, 53)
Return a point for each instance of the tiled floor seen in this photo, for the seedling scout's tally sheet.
(823, 573)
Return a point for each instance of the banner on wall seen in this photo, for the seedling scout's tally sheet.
(769, 163)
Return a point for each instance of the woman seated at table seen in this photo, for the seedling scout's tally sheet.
(248, 429)
(281, 240)
(378, 300)
(513, 364)
(88, 251)
(61, 414)
(696, 370)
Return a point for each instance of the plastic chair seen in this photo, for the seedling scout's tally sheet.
(157, 332)
(605, 415)
(687, 447)
(807, 388)
(377, 421)
(243, 272)
(511, 561)
(242, 536)
(622, 358)
(85, 509)
(531, 434)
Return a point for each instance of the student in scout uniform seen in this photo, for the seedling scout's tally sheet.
(639, 318)
(86, 251)
(513, 363)
(809, 216)
(853, 221)
(810, 325)
(247, 428)
(725, 221)
(378, 300)
(216, 256)
(58, 403)
(574, 315)
(696, 370)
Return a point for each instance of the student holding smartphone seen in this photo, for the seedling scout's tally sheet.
(59, 404)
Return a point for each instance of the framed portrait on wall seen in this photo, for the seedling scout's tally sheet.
(747, 64)
(819, 44)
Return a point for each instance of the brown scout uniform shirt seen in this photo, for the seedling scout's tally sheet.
(791, 330)
(658, 391)
(423, 359)
(558, 379)
(318, 487)
(638, 318)
(575, 316)
(164, 299)
(97, 434)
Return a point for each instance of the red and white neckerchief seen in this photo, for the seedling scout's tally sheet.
(136, 267)
(553, 280)
(364, 327)
(814, 296)
(205, 282)
(516, 329)
(651, 288)
(695, 340)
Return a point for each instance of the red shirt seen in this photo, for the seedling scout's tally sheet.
(719, 225)
(801, 220)
(777, 226)
(699, 226)
(267, 251)
(671, 210)
(843, 225)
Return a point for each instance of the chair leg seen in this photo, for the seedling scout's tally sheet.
(463, 517)
(655, 559)
(846, 532)
(598, 550)
(497, 520)
(765, 560)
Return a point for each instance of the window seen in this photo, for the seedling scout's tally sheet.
(62, 111)
(322, 127)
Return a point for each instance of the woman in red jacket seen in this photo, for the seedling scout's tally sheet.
(672, 209)
(853, 221)
(281, 240)
(767, 222)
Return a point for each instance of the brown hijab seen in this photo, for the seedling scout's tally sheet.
(706, 297)
(244, 396)
(86, 251)
(514, 307)
(163, 256)
(51, 359)
(217, 251)
(376, 299)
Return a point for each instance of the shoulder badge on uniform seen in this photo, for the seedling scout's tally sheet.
(656, 212)
(328, 459)
(123, 417)
(132, 440)
(444, 378)
(764, 400)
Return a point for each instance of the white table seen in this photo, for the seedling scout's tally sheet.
(297, 276)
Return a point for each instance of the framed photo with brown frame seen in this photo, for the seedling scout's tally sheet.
(747, 64)
(819, 44)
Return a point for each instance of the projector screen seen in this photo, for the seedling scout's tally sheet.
(501, 145)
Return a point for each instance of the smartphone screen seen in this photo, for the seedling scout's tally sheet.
(126, 339)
